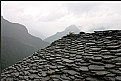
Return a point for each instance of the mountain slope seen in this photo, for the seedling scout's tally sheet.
(58, 35)
(17, 43)
(19, 32)
(13, 50)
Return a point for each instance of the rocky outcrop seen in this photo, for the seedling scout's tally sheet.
(75, 57)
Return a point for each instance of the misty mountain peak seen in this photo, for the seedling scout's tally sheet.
(72, 27)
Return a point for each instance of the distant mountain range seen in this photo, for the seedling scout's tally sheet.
(58, 35)
(17, 43)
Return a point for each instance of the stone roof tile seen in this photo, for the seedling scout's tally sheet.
(75, 57)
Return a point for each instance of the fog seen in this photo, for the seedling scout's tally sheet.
(44, 19)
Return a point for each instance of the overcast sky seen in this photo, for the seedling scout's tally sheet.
(54, 16)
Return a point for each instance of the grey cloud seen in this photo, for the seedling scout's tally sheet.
(78, 8)
(113, 25)
(88, 8)
(93, 16)
(51, 17)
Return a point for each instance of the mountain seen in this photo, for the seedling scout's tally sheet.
(58, 35)
(17, 43)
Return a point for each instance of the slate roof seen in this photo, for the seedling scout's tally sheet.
(75, 57)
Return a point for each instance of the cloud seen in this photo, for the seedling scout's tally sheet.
(52, 17)
(51, 13)
(79, 8)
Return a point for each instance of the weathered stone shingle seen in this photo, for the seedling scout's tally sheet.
(75, 57)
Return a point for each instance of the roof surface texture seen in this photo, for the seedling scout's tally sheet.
(75, 57)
